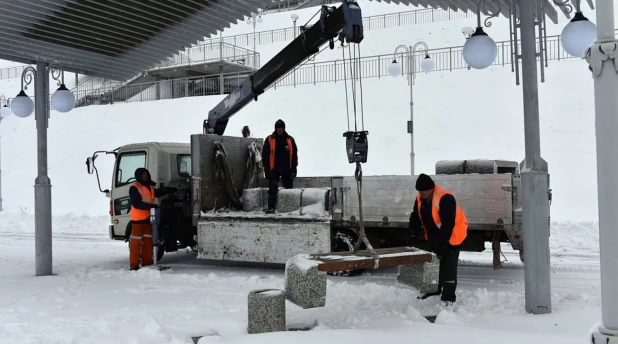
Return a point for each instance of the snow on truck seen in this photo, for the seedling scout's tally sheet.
(219, 208)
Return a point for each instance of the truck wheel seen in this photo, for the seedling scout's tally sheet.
(343, 241)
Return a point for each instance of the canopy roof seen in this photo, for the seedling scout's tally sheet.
(114, 39)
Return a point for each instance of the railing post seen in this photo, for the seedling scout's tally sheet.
(379, 67)
(450, 59)
(314, 74)
(335, 70)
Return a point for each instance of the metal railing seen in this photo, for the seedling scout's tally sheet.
(214, 51)
(98, 88)
(11, 72)
(376, 22)
(165, 89)
(285, 5)
(446, 59)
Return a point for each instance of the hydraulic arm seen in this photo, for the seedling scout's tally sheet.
(345, 21)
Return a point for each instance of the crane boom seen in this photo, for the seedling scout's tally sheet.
(345, 21)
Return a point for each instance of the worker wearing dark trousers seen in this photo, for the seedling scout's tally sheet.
(143, 194)
(445, 226)
(280, 160)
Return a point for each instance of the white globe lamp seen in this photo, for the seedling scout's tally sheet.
(63, 100)
(248, 21)
(294, 16)
(578, 35)
(428, 65)
(5, 111)
(480, 50)
(394, 69)
(260, 20)
(22, 106)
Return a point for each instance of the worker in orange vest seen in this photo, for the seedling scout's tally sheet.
(143, 194)
(280, 160)
(439, 215)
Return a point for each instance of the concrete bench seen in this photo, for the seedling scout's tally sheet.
(305, 275)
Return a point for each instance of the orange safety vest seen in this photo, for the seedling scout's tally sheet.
(460, 230)
(271, 142)
(147, 197)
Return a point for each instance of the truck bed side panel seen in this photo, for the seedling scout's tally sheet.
(481, 196)
(261, 240)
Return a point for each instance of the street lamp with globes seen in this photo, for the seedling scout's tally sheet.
(579, 33)
(480, 50)
(294, 17)
(62, 100)
(255, 19)
(427, 65)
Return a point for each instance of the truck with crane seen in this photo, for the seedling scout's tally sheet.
(218, 210)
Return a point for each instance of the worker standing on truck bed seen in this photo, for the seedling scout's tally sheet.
(280, 162)
(143, 194)
(445, 225)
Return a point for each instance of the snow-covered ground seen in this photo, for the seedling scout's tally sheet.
(94, 299)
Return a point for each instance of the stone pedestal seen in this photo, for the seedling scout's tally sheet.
(266, 311)
(305, 286)
(423, 277)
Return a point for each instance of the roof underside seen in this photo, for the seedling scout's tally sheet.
(490, 6)
(114, 39)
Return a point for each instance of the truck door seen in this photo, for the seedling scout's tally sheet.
(124, 176)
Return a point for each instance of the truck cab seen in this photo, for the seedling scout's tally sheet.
(169, 164)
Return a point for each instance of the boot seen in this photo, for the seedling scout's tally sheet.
(449, 292)
(426, 295)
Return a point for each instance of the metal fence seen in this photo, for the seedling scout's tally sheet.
(11, 72)
(446, 59)
(382, 21)
(214, 51)
(285, 5)
(98, 88)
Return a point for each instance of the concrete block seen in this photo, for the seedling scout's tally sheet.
(422, 277)
(254, 199)
(288, 200)
(305, 286)
(266, 311)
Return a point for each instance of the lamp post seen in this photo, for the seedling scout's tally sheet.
(467, 32)
(294, 17)
(255, 19)
(602, 58)
(427, 65)
(4, 111)
(22, 106)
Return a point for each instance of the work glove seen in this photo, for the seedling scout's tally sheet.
(267, 174)
(293, 173)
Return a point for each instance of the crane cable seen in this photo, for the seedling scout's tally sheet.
(355, 72)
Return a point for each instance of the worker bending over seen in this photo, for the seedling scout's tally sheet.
(445, 225)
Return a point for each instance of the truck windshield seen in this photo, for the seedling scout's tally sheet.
(126, 166)
(184, 165)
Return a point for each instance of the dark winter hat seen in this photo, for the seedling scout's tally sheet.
(424, 183)
(280, 124)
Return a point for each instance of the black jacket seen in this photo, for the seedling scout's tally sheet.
(136, 198)
(282, 154)
(437, 237)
